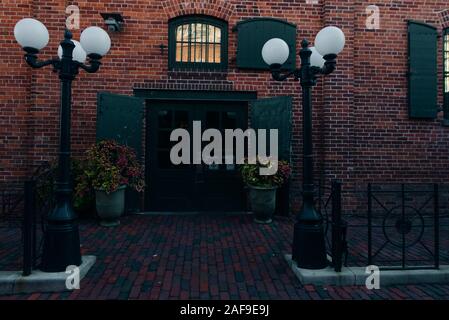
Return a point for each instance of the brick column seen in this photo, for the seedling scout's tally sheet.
(338, 96)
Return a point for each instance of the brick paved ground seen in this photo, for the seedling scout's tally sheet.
(198, 257)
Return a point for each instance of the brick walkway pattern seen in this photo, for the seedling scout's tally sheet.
(199, 257)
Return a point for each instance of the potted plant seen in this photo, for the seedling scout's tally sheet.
(109, 169)
(263, 188)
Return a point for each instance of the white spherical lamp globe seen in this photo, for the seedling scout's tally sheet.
(31, 33)
(275, 51)
(95, 40)
(316, 59)
(78, 53)
(330, 40)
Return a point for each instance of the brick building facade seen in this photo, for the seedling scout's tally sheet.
(362, 128)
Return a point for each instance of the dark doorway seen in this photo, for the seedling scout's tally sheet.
(214, 188)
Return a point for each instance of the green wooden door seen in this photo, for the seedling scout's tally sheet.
(253, 33)
(446, 72)
(120, 118)
(276, 113)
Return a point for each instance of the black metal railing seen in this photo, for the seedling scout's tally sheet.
(392, 226)
(11, 202)
(39, 199)
(403, 226)
(24, 209)
(330, 208)
(29, 228)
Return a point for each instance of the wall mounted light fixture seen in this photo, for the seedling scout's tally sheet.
(114, 21)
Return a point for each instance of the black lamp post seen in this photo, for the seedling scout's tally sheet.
(309, 249)
(61, 238)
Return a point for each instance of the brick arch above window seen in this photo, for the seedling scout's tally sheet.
(444, 17)
(221, 9)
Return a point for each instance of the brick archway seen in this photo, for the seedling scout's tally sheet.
(444, 17)
(217, 8)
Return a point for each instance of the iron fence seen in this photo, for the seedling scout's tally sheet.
(11, 202)
(330, 208)
(403, 226)
(392, 226)
(24, 209)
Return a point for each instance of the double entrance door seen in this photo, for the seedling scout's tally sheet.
(192, 187)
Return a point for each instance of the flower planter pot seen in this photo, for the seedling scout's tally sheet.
(263, 203)
(111, 206)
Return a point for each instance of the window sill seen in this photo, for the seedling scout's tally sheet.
(198, 74)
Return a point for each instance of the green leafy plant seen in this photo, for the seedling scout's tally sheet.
(83, 195)
(108, 166)
(252, 177)
(46, 186)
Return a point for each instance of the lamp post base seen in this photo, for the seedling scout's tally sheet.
(61, 242)
(309, 248)
(61, 248)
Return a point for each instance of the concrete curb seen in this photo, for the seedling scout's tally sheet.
(356, 276)
(190, 213)
(12, 282)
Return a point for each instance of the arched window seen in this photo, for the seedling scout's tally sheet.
(198, 42)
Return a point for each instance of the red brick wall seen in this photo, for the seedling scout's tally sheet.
(362, 130)
(387, 145)
(15, 87)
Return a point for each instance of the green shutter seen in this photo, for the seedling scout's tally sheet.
(275, 113)
(446, 72)
(423, 76)
(120, 118)
(252, 34)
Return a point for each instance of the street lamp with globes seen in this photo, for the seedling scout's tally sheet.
(61, 238)
(309, 249)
